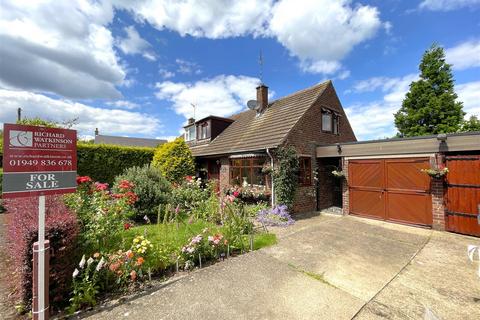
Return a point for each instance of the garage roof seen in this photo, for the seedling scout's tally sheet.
(469, 141)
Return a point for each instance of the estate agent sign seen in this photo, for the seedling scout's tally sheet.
(39, 161)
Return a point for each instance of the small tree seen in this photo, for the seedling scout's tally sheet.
(473, 124)
(175, 160)
(38, 122)
(285, 175)
(430, 107)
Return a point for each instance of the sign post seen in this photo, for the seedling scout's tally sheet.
(39, 161)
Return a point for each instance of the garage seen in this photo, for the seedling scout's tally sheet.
(383, 179)
(391, 189)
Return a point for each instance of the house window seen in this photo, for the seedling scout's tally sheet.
(190, 133)
(326, 121)
(203, 128)
(305, 172)
(247, 170)
(336, 120)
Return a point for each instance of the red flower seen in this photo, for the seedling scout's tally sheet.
(83, 179)
(188, 178)
(236, 194)
(125, 185)
(127, 226)
(101, 186)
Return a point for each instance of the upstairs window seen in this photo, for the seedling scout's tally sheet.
(326, 121)
(203, 128)
(305, 172)
(190, 133)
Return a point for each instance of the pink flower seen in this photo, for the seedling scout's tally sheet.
(236, 194)
(101, 186)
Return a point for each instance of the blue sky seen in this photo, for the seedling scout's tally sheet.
(135, 70)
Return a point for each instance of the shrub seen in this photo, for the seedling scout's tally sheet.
(61, 229)
(104, 162)
(285, 175)
(189, 194)
(101, 214)
(175, 160)
(151, 188)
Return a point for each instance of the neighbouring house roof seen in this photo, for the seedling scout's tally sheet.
(250, 132)
(128, 141)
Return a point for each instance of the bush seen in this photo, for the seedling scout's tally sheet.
(285, 175)
(61, 229)
(175, 160)
(151, 188)
(104, 162)
(189, 194)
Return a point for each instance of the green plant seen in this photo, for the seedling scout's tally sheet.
(86, 282)
(151, 188)
(236, 224)
(208, 210)
(104, 162)
(472, 124)
(189, 194)
(285, 175)
(431, 106)
(175, 160)
(101, 214)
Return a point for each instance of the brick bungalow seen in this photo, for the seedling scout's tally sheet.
(233, 150)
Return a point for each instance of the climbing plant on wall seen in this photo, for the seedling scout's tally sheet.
(285, 175)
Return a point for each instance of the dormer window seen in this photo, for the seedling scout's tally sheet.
(190, 133)
(203, 131)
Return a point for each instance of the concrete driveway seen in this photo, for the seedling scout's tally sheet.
(326, 267)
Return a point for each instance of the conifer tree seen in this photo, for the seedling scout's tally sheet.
(431, 106)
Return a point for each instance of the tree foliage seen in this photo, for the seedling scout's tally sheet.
(472, 124)
(285, 175)
(431, 106)
(38, 122)
(175, 160)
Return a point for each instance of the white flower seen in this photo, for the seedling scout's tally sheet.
(82, 262)
(89, 261)
(75, 273)
(100, 264)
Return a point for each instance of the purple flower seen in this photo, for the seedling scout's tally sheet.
(276, 216)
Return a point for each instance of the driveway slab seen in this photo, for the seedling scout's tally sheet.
(326, 267)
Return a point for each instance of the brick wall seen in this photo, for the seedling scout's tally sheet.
(307, 134)
(345, 193)
(224, 173)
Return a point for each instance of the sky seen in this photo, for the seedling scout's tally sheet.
(134, 68)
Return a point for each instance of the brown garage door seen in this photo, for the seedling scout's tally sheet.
(391, 189)
(463, 194)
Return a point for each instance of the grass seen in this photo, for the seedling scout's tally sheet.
(313, 275)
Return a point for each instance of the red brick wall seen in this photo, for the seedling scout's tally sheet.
(307, 134)
(224, 174)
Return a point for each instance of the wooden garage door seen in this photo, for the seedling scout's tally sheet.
(391, 189)
(463, 194)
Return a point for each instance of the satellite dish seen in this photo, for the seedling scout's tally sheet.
(252, 104)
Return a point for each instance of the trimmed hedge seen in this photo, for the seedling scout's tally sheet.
(103, 162)
(61, 229)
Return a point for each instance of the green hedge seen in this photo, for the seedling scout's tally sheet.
(104, 162)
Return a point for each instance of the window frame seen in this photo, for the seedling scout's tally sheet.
(249, 168)
(203, 132)
(329, 113)
(305, 171)
(189, 136)
(334, 121)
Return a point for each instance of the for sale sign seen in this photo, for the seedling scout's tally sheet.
(38, 160)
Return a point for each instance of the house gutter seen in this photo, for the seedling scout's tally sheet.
(273, 188)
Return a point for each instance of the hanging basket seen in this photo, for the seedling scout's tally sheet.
(436, 173)
(338, 174)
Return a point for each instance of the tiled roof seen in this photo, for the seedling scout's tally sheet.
(250, 132)
(127, 141)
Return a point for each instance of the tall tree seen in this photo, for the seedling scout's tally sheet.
(473, 124)
(431, 106)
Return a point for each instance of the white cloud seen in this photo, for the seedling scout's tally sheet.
(447, 5)
(322, 32)
(319, 32)
(374, 120)
(60, 47)
(165, 74)
(124, 104)
(469, 93)
(220, 96)
(108, 121)
(211, 19)
(187, 67)
(133, 43)
(465, 55)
